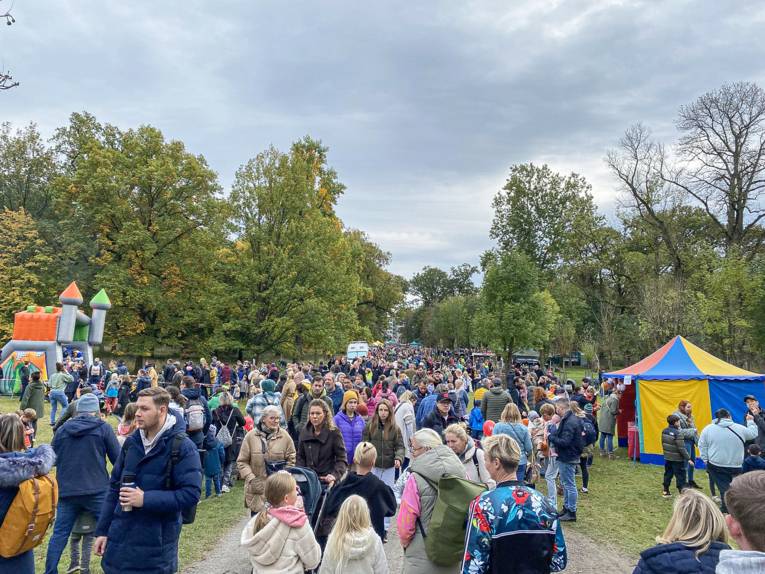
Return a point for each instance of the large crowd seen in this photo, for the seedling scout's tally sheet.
(449, 444)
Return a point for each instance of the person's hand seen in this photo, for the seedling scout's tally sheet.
(749, 417)
(329, 479)
(691, 463)
(397, 464)
(131, 496)
(99, 545)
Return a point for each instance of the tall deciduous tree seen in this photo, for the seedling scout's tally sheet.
(150, 211)
(543, 214)
(24, 260)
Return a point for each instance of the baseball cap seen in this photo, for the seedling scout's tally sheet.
(750, 398)
(443, 397)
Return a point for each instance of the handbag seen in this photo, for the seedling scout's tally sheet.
(272, 466)
(224, 435)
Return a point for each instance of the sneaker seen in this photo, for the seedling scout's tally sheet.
(666, 494)
(218, 495)
(73, 569)
(225, 488)
(585, 490)
(717, 499)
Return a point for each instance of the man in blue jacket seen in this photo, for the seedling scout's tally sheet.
(82, 445)
(569, 443)
(163, 464)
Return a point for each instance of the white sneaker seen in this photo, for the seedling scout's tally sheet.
(225, 488)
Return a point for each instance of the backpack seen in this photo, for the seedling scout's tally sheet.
(195, 415)
(188, 515)
(445, 540)
(31, 513)
(589, 434)
(224, 435)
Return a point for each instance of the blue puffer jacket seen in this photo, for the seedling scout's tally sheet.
(677, 558)
(352, 431)
(15, 468)
(82, 445)
(145, 539)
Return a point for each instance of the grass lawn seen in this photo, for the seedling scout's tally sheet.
(212, 520)
(624, 506)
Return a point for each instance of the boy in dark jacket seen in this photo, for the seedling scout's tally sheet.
(754, 461)
(214, 460)
(675, 455)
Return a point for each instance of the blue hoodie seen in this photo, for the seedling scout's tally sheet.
(82, 446)
(677, 558)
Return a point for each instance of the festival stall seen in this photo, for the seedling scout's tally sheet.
(681, 371)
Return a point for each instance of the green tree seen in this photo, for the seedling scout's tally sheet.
(292, 267)
(517, 313)
(543, 214)
(147, 215)
(24, 259)
(430, 285)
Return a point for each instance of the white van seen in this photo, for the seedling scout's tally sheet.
(357, 349)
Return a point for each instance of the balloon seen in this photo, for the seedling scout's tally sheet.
(488, 428)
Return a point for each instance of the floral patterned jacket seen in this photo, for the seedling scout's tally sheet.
(513, 529)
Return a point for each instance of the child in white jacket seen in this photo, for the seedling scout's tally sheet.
(279, 538)
(353, 547)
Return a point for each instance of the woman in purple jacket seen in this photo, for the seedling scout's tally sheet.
(350, 423)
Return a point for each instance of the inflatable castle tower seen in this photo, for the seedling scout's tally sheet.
(45, 331)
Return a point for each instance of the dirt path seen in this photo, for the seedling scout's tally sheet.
(585, 556)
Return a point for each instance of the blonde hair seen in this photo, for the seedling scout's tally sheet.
(577, 410)
(427, 438)
(696, 522)
(352, 518)
(365, 455)
(458, 430)
(278, 485)
(510, 414)
(11, 433)
(503, 448)
(30, 414)
(405, 397)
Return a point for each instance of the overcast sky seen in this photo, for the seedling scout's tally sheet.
(424, 105)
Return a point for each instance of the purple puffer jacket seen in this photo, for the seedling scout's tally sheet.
(352, 430)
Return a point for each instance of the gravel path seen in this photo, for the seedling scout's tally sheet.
(585, 556)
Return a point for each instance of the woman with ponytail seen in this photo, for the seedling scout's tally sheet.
(279, 538)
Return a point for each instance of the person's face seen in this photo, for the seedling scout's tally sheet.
(443, 407)
(416, 448)
(351, 405)
(546, 417)
(148, 415)
(688, 409)
(271, 421)
(560, 409)
(753, 404)
(316, 415)
(329, 384)
(347, 385)
(423, 386)
(317, 387)
(383, 412)
(454, 443)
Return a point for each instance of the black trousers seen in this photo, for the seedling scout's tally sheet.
(722, 476)
(674, 468)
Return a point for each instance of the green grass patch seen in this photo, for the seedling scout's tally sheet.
(624, 506)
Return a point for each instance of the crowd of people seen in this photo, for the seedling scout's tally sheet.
(331, 453)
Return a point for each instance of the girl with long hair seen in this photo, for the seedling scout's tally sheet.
(279, 537)
(353, 546)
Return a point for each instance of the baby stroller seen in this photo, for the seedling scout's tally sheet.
(310, 490)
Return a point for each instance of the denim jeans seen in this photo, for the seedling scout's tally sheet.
(66, 515)
(57, 398)
(568, 481)
(605, 437)
(80, 559)
(690, 446)
(209, 481)
(551, 473)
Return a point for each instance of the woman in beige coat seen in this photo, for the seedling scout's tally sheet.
(251, 461)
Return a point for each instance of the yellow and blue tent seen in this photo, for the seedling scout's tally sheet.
(682, 371)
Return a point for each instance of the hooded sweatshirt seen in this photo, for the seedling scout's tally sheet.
(285, 545)
(722, 443)
(741, 562)
(82, 446)
(362, 553)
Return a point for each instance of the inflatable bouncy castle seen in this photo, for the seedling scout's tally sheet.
(40, 334)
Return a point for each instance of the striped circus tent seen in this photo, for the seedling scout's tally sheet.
(681, 371)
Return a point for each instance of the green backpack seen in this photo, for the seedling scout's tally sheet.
(445, 540)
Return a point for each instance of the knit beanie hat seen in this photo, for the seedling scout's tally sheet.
(88, 404)
(588, 408)
(533, 415)
(347, 396)
(267, 386)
